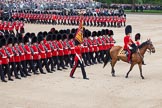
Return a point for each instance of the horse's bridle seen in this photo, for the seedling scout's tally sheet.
(151, 48)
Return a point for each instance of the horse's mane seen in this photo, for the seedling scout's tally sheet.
(143, 44)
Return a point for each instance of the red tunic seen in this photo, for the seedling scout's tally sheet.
(54, 51)
(137, 43)
(42, 51)
(78, 51)
(16, 55)
(22, 56)
(28, 54)
(11, 59)
(60, 51)
(66, 49)
(127, 40)
(90, 45)
(3, 57)
(72, 46)
(100, 43)
(36, 55)
(49, 52)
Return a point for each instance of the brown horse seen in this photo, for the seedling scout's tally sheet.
(113, 56)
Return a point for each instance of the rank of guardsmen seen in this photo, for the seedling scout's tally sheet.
(23, 54)
(40, 17)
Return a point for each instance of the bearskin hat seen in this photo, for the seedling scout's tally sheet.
(40, 38)
(48, 38)
(64, 36)
(27, 35)
(99, 33)
(137, 36)
(106, 32)
(73, 30)
(26, 39)
(103, 32)
(76, 42)
(34, 40)
(59, 36)
(71, 36)
(3, 41)
(128, 29)
(10, 40)
(20, 39)
(111, 33)
(53, 37)
(15, 40)
(94, 33)
(45, 34)
(32, 35)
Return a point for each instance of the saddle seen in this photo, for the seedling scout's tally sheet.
(122, 53)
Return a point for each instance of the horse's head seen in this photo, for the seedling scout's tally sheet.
(150, 46)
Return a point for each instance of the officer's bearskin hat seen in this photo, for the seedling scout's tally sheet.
(34, 40)
(128, 29)
(10, 40)
(137, 36)
(52, 30)
(0, 43)
(111, 33)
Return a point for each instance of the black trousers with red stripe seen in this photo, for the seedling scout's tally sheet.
(82, 68)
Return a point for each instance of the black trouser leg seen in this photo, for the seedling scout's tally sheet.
(2, 73)
(24, 68)
(6, 69)
(13, 69)
(19, 68)
(44, 63)
(31, 64)
(50, 62)
(83, 70)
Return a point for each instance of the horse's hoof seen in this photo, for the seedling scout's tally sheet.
(143, 77)
(126, 76)
(113, 75)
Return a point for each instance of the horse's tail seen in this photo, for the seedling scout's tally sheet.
(107, 58)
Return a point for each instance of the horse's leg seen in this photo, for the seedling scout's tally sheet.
(131, 67)
(113, 62)
(140, 68)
